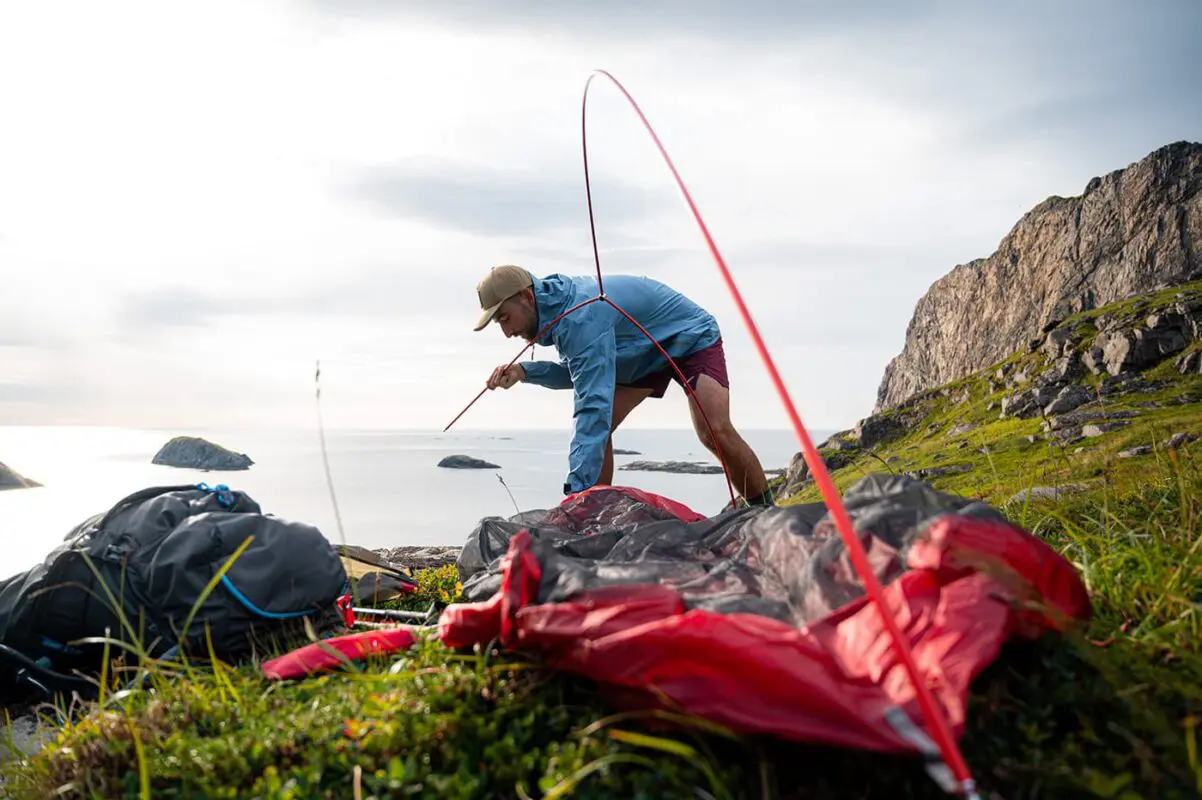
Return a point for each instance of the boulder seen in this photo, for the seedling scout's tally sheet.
(466, 462)
(1162, 335)
(1046, 492)
(1026, 403)
(1094, 360)
(1189, 363)
(1101, 428)
(1081, 416)
(1065, 368)
(11, 479)
(1170, 331)
(1141, 450)
(1067, 435)
(193, 452)
(876, 429)
(797, 475)
(1180, 439)
(927, 473)
(1058, 342)
(1122, 384)
(1067, 399)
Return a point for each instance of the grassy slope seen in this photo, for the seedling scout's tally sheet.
(1003, 461)
(1110, 714)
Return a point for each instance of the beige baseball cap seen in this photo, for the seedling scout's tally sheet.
(500, 284)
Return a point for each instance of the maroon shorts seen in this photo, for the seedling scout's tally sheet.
(709, 361)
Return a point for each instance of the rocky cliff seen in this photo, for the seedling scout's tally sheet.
(1133, 231)
(1117, 385)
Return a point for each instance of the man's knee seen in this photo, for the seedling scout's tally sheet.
(719, 432)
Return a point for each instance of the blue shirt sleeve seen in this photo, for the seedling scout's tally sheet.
(593, 373)
(547, 373)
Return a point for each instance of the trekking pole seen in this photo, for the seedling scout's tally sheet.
(390, 613)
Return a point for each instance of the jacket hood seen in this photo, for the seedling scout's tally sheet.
(554, 295)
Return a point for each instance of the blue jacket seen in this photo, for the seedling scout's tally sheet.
(599, 348)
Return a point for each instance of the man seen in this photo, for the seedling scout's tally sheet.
(611, 366)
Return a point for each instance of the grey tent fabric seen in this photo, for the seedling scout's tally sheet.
(787, 563)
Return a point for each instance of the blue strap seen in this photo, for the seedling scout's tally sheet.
(244, 600)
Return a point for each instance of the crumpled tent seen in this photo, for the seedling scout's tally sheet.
(755, 618)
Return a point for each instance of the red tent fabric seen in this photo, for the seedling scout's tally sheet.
(959, 579)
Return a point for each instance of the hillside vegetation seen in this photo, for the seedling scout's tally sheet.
(1095, 401)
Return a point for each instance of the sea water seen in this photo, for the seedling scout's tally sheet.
(387, 486)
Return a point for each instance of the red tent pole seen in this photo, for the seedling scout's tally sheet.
(942, 731)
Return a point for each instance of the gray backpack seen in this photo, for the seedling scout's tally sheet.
(151, 557)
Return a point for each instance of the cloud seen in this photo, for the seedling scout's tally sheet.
(489, 200)
(14, 392)
(13, 336)
(178, 307)
(338, 182)
(636, 21)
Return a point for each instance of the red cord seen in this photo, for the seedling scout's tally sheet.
(529, 344)
(622, 311)
(684, 382)
(943, 735)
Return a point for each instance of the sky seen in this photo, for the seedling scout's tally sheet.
(197, 203)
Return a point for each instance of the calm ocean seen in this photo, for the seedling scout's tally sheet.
(388, 486)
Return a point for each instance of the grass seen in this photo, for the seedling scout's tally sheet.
(1111, 712)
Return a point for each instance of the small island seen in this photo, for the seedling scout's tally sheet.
(192, 452)
(620, 452)
(11, 479)
(678, 467)
(466, 462)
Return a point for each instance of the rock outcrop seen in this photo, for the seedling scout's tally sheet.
(797, 475)
(1131, 232)
(466, 462)
(193, 452)
(10, 479)
(678, 467)
(416, 557)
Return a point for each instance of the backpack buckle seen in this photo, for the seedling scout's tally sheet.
(224, 494)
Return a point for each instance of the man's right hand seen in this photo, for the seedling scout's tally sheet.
(506, 377)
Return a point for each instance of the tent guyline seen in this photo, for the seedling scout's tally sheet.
(944, 739)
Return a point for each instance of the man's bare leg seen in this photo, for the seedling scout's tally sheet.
(746, 472)
(626, 398)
